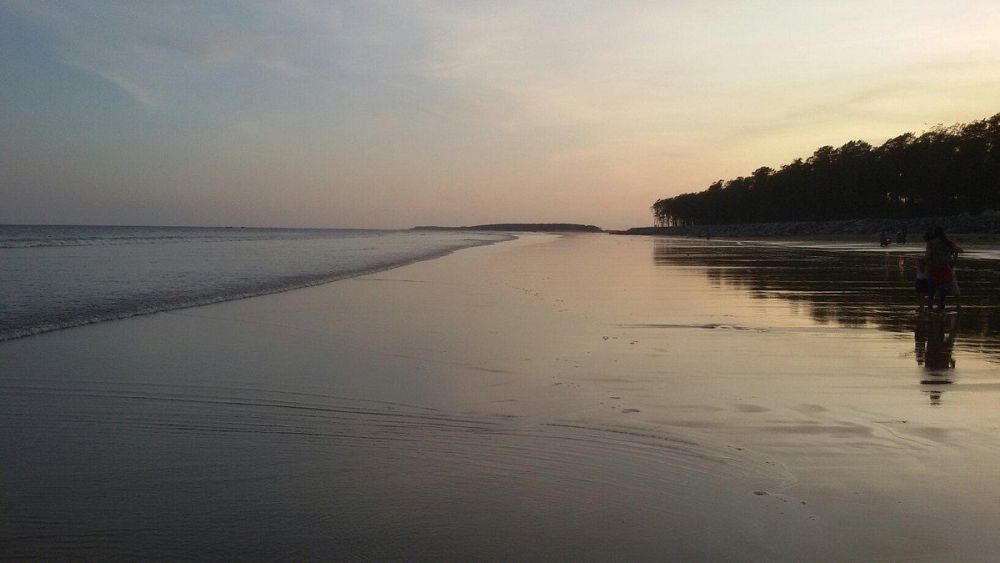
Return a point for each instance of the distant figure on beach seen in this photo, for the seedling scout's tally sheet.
(901, 235)
(940, 257)
(885, 237)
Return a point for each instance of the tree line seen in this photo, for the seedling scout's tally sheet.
(944, 171)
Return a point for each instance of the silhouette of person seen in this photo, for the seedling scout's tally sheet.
(940, 256)
(901, 235)
(921, 284)
(885, 237)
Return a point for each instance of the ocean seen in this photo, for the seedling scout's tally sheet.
(54, 277)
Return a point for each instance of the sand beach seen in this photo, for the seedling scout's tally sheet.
(571, 397)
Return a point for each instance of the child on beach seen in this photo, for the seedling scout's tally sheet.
(923, 295)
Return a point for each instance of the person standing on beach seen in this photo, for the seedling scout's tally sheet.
(923, 296)
(885, 237)
(940, 259)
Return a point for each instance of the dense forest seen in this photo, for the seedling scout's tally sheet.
(944, 171)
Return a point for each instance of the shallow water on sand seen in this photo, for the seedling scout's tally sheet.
(585, 397)
(856, 286)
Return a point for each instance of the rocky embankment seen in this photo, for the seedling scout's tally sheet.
(986, 223)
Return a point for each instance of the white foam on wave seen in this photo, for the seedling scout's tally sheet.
(55, 286)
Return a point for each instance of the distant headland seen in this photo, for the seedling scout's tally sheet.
(520, 227)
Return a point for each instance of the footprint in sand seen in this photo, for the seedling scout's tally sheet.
(751, 408)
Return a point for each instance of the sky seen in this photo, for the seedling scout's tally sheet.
(392, 114)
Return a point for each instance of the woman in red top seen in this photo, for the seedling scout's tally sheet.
(940, 258)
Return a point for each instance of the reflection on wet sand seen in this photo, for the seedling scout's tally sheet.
(852, 289)
(934, 344)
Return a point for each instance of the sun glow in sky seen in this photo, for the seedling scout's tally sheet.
(393, 114)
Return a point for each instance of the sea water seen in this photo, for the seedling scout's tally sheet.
(54, 277)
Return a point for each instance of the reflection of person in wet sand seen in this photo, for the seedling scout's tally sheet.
(934, 342)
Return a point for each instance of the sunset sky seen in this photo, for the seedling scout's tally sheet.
(393, 114)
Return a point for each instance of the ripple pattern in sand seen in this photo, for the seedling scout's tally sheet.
(348, 477)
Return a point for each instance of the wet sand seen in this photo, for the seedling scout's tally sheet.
(571, 397)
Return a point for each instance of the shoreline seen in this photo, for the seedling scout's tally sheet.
(968, 240)
(968, 226)
(551, 228)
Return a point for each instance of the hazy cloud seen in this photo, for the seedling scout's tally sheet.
(383, 113)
